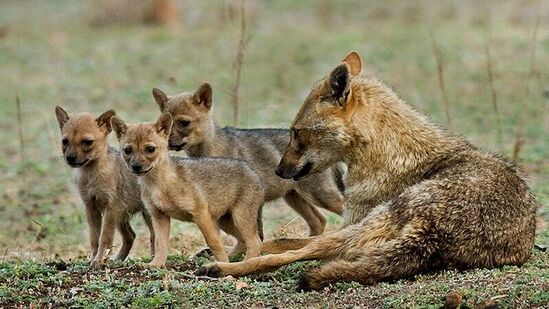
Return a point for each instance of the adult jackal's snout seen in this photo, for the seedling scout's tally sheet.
(293, 165)
(322, 128)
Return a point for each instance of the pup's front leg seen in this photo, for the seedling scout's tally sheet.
(211, 234)
(93, 216)
(161, 226)
(110, 220)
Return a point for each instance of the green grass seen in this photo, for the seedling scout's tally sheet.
(127, 284)
(51, 55)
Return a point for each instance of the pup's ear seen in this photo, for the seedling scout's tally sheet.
(354, 61)
(164, 124)
(62, 116)
(105, 119)
(340, 81)
(119, 127)
(161, 98)
(203, 95)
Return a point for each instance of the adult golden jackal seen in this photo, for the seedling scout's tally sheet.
(417, 198)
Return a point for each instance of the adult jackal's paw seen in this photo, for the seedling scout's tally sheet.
(210, 270)
(303, 284)
(307, 283)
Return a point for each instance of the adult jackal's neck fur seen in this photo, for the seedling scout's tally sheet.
(388, 136)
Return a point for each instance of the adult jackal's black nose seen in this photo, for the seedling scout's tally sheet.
(283, 172)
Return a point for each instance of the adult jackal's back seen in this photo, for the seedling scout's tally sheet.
(417, 198)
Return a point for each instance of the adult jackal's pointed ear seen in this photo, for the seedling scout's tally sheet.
(119, 127)
(203, 95)
(340, 83)
(164, 124)
(105, 120)
(62, 116)
(160, 97)
(354, 61)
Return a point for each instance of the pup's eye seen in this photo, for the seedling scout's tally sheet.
(150, 149)
(184, 123)
(87, 142)
(65, 142)
(128, 150)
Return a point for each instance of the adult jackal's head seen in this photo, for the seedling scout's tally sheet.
(320, 133)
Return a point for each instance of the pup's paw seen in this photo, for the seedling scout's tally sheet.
(205, 253)
(210, 270)
(154, 264)
(96, 264)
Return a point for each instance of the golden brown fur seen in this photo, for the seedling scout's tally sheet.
(109, 192)
(195, 131)
(417, 198)
(211, 192)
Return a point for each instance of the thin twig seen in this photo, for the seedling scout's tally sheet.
(533, 66)
(494, 97)
(5, 254)
(440, 71)
(519, 134)
(188, 276)
(21, 147)
(35, 236)
(239, 59)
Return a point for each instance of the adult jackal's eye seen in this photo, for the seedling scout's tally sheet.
(65, 142)
(295, 133)
(150, 149)
(127, 150)
(297, 139)
(87, 142)
(184, 123)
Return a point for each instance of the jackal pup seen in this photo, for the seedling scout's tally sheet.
(196, 132)
(211, 192)
(109, 191)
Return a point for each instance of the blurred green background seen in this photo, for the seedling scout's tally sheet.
(97, 55)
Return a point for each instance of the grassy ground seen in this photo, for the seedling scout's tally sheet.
(54, 53)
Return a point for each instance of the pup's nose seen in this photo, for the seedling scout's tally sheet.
(71, 159)
(137, 168)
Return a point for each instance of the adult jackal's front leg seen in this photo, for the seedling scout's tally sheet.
(324, 246)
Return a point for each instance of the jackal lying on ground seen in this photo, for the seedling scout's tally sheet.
(211, 192)
(195, 131)
(417, 198)
(109, 191)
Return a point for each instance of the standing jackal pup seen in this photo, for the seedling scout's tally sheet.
(109, 191)
(211, 192)
(195, 131)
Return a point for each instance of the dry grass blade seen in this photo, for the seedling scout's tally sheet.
(21, 147)
(239, 60)
(519, 134)
(493, 92)
(441, 83)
